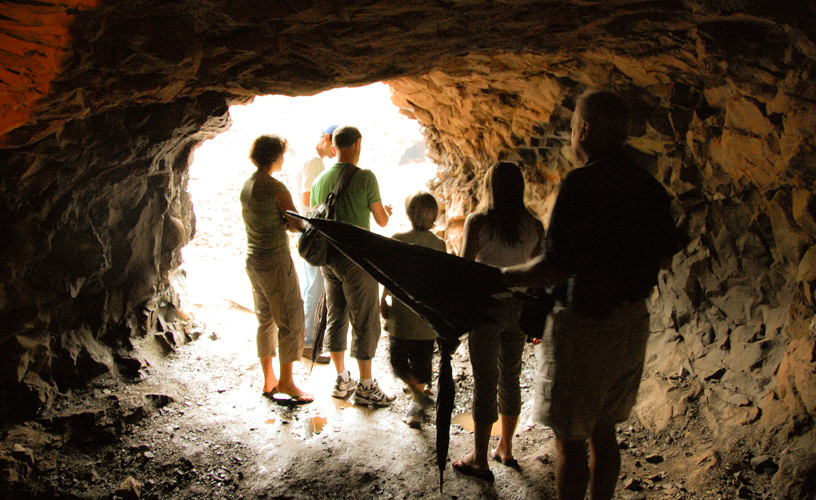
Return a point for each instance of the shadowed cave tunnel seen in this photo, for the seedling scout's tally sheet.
(103, 103)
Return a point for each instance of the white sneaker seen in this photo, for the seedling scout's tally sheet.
(342, 388)
(372, 395)
(413, 417)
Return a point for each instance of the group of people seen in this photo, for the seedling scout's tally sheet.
(610, 233)
(351, 294)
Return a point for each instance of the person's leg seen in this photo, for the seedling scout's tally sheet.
(511, 347)
(421, 362)
(339, 360)
(286, 306)
(266, 336)
(484, 351)
(287, 385)
(505, 446)
(336, 340)
(481, 443)
(362, 294)
(270, 381)
(312, 290)
(365, 369)
(399, 357)
(336, 318)
(604, 461)
(571, 471)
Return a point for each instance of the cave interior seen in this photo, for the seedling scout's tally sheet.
(103, 103)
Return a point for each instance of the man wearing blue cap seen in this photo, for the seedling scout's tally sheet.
(313, 279)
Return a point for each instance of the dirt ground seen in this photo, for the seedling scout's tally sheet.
(195, 426)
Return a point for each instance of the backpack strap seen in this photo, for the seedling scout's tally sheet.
(339, 186)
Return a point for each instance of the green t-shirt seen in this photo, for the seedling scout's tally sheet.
(353, 205)
(263, 220)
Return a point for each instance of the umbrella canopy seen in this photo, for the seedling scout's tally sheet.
(451, 293)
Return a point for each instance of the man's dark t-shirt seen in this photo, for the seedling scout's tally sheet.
(611, 228)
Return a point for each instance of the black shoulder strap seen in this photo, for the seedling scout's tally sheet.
(339, 186)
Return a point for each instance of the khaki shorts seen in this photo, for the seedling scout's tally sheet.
(352, 296)
(589, 369)
(278, 306)
(495, 354)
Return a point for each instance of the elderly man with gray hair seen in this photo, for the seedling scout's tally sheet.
(610, 233)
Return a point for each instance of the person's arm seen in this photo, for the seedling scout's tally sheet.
(284, 202)
(381, 213)
(470, 237)
(311, 171)
(385, 309)
(540, 243)
(535, 273)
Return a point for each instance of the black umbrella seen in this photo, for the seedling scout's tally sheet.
(451, 293)
(320, 320)
(444, 404)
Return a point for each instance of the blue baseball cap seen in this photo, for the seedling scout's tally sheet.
(329, 130)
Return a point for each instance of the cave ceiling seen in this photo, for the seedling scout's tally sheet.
(81, 57)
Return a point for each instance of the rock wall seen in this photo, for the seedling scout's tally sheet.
(735, 336)
(103, 103)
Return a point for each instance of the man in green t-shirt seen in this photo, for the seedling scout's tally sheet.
(351, 293)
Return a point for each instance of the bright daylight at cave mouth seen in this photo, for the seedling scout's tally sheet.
(393, 149)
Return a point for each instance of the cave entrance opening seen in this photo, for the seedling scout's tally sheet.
(216, 289)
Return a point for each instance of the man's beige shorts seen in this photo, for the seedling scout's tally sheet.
(589, 369)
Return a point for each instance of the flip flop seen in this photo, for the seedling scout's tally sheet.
(271, 394)
(507, 462)
(468, 470)
(287, 400)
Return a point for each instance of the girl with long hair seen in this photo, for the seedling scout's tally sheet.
(502, 232)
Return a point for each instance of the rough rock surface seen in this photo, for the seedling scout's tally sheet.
(102, 105)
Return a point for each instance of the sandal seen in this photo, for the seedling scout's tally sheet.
(469, 470)
(287, 400)
(507, 462)
(270, 395)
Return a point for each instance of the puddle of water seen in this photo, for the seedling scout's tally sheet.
(465, 421)
(315, 425)
(341, 404)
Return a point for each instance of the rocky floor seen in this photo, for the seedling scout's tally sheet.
(194, 426)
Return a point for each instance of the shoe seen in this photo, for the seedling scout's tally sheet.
(270, 395)
(413, 417)
(343, 388)
(372, 395)
(424, 400)
(322, 359)
(468, 470)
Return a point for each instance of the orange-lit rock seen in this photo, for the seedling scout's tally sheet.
(34, 41)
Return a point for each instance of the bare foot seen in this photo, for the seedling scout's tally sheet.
(290, 389)
(501, 454)
(470, 462)
(465, 466)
